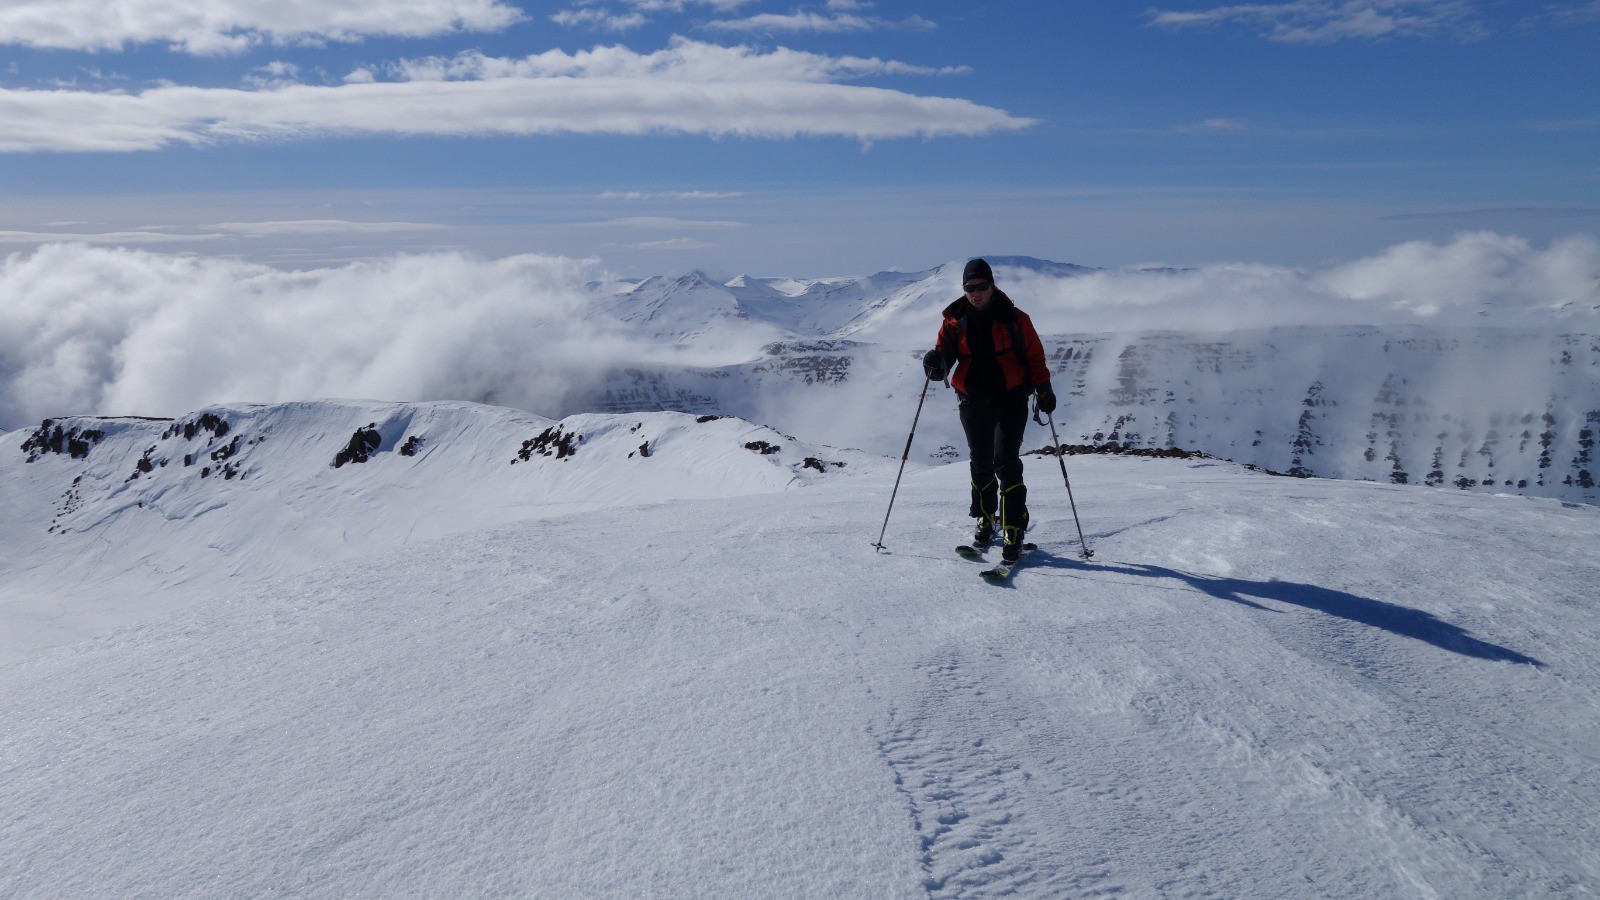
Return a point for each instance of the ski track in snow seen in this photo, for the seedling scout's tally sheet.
(1258, 688)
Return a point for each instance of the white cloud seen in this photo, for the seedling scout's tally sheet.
(1475, 278)
(682, 243)
(664, 222)
(772, 23)
(599, 19)
(683, 60)
(595, 14)
(1525, 213)
(669, 195)
(230, 26)
(678, 6)
(275, 74)
(1587, 12)
(690, 88)
(318, 226)
(1327, 21)
(112, 238)
(88, 330)
(1474, 272)
(92, 330)
(1216, 126)
(1561, 15)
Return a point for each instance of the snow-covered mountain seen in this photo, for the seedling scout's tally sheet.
(1500, 399)
(691, 308)
(152, 511)
(685, 309)
(888, 305)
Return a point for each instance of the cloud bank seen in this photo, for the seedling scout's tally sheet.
(212, 27)
(1475, 279)
(92, 330)
(689, 88)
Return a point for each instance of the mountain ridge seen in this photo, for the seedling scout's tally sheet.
(159, 506)
(1503, 409)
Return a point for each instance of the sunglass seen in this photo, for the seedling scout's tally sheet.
(972, 287)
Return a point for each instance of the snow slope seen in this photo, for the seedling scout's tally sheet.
(1258, 687)
(152, 512)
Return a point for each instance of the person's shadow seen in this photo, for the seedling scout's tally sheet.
(1401, 620)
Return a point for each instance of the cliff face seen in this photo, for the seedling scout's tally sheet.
(1487, 409)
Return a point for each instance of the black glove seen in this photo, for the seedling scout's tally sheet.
(933, 364)
(1046, 399)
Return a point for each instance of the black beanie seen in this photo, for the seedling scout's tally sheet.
(977, 268)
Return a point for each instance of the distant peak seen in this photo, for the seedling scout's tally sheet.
(1026, 263)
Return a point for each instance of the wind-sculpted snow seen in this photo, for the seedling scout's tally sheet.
(1260, 688)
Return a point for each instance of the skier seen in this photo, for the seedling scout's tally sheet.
(994, 359)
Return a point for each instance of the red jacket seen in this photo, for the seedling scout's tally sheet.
(1015, 343)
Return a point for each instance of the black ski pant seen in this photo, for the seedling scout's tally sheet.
(994, 443)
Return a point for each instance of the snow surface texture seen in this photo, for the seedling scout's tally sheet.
(1258, 687)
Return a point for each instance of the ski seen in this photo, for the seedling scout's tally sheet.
(1002, 573)
(967, 551)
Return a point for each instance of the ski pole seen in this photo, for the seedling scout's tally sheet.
(903, 457)
(1061, 457)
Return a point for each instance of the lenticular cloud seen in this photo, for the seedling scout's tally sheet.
(690, 88)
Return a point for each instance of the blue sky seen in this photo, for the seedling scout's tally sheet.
(796, 139)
